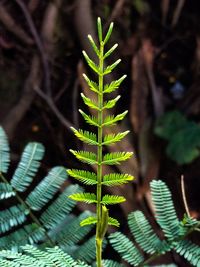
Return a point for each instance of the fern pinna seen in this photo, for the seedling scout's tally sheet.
(102, 219)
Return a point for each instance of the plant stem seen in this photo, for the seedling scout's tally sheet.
(99, 159)
(33, 217)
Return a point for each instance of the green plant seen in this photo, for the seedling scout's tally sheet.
(183, 137)
(41, 216)
(102, 218)
(175, 231)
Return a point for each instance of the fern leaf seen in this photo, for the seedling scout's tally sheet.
(89, 119)
(109, 32)
(113, 179)
(47, 188)
(57, 211)
(12, 217)
(4, 152)
(85, 156)
(113, 221)
(88, 221)
(72, 232)
(92, 42)
(116, 157)
(28, 166)
(110, 68)
(85, 136)
(6, 191)
(111, 120)
(110, 51)
(86, 177)
(111, 139)
(111, 199)
(92, 85)
(84, 197)
(89, 102)
(165, 211)
(144, 234)
(189, 251)
(111, 103)
(109, 88)
(29, 234)
(126, 249)
(91, 63)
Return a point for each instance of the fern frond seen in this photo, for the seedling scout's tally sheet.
(116, 157)
(57, 211)
(110, 68)
(112, 199)
(165, 211)
(189, 251)
(28, 166)
(72, 232)
(4, 152)
(113, 221)
(111, 139)
(113, 179)
(92, 85)
(91, 63)
(89, 119)
(88, 221)
(144, 234)
(86, 177)
(11, 217)
(84, 197)
(85, 136)
(89, 102)
(126, 248)
(110, 51)
(111, 103)
(92, 42)
(47, 188)
(6, 191)
(85, 156)
(29, 234)
(109, 88)
(111, 120)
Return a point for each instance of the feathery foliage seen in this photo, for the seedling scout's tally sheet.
(43, 216)
(175, 231)
(102, 219)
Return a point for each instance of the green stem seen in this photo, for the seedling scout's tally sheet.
(33, 217)
(99, 159)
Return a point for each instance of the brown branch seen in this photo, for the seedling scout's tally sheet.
(13, 27)
(184, 196)
(177, 12)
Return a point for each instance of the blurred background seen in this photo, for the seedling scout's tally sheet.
(41, 65)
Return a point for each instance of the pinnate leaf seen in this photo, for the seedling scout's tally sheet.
(111, 103)
(111, 139)
(84, 197)
(116, 157)
(112, 199)
(109, 88)
(89, 119)
(111, 120)
(86, 177)
(113, 179)
(85, 156)
(90, 103)
(85, 136)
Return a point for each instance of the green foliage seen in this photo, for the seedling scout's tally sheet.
(183, 137)
(175, 231)
(43, 216)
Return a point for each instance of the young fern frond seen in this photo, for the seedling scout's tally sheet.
(102, 219)
(4, 152)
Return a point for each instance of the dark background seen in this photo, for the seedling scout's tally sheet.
(41, 67)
